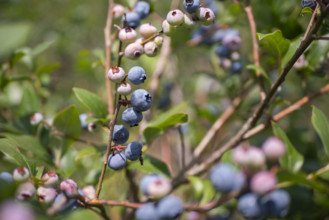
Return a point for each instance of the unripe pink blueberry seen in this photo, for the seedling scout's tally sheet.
(21, 174)
(175, 17)
(159, 187)
(188, 21)
(250, 158)
(206, 16)
(273, 148)
(158, 40)
(46, 195)
(50, 178)
(118, 11)
(124, 89)
(11, 210)
(116, 74)
(69, 185)
(151, 49)
(25, 191)
(232, 41)
(36, 118)
(167, 28)
(263, 182)
(147, 30)
(134, 50)
(127, 35)
(89, 192)
(235, 56)
(225, 63)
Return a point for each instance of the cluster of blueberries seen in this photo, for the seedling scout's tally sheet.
(254, 185)
(140, 101)
(49, 191)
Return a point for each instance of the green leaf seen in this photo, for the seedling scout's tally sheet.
(30, 102)
(275, 43)
(47, 68)
(68, 122)
(197, 185)
(307, 10)
(16, 57)
(261, 70)
(291, 51)
(165, 121)
(317, 53)
(208, 193)
(203, 189)
(292, 160)
(321, 124)
(85, 153)
(150, 165)
(91, 101)
(41, 48)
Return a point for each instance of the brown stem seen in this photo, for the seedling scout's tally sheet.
(108, 150)
(320, 37)
(181, 137)
(108, 46)
(311, 22)
(152, 37)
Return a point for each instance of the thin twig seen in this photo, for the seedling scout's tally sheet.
(294, 107)
(152, 37)
(311, 22)
(320, 37)
(181, 137)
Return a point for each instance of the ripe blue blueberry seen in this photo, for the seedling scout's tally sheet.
(240, 182)
(117, 161)
(69, 204)
(137, 75)
(236, 67)
(170, 207)
(141, 100)
(276, 203)
(222, 51)
(309, 3)
(132, 117)
(120, 134)
(142, 8)
(133, 150)
(147, 212)
(191, 6)
(250, 207)
(133, 20)
(7, 177)
(222, 176)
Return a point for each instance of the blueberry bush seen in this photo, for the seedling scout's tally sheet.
(153, 110)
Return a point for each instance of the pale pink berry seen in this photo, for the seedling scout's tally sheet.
(127, 35)
(300, 63)
(158, 40)
(188, 21)
(139, 40)
(167, 28)
(206, 16)
(273, 148)
(68, 185)
(50, 178)
(263, 182)
(239, 155)
(21, 174)
(159, 187)
(89, 192)
(175, 17)
(46, 195)
(255, 160)
(124, 89)
(235, 56)
(232, 41)
(11, 210)
(225, 63)
(134, 50)
(116, 74)
(151, 49)
(25, 191)
(147, 30)
(36, 118)
(118, 11)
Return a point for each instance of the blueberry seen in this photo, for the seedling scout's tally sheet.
(134, 50)
(147, 30)
(69, 204)
(132, 117)
(170, 207)
(5, 176)
(175, 17)
(222, 176)
(117, 161)
(250, 207)
(133, 20)
(206, 16)
(236, 67)
(147, 212)
(239, 182)
(142, 8)
(191, 6)
(141, 100)
(276, 203)
(21, 174)
(273, 148)
(136, 75)
(232, 40)
(151, 49)
(133, 150)
(309, 3)
(120, 134)
(263, 182)
(46, 195)
(222, 51)
(145, 182)
(25, 191)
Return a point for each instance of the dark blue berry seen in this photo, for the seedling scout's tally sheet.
(222, 176)
(309, 3)
(136, 75)
(191, 6)
(117, 161)
(7, 177)
(250, 207)
(147, 212)
(132, 117)
(276, 203)
(69, 204)
(133, 20)
(222, 51)
(120, 134)
(142, 8)
(170, 207)
(141, 100)
(236, 67)
(133, 150)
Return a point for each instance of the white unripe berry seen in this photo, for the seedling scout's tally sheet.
(118, 11)
(158, 40)
(151, 49)
(188, 21)
(159, 188)
(147, 30)
(175, 17)
(134, 50)
(116, 74)
(36, 118)
(124, 89)
(127, 35)
(21, 174)
(89, 192)
(167, 28)
(206, 16)
(46, 195)
(25, 191)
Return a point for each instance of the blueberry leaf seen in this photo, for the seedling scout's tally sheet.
(292, 160)
(321, 124)
(261, 70)
(91, 101)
